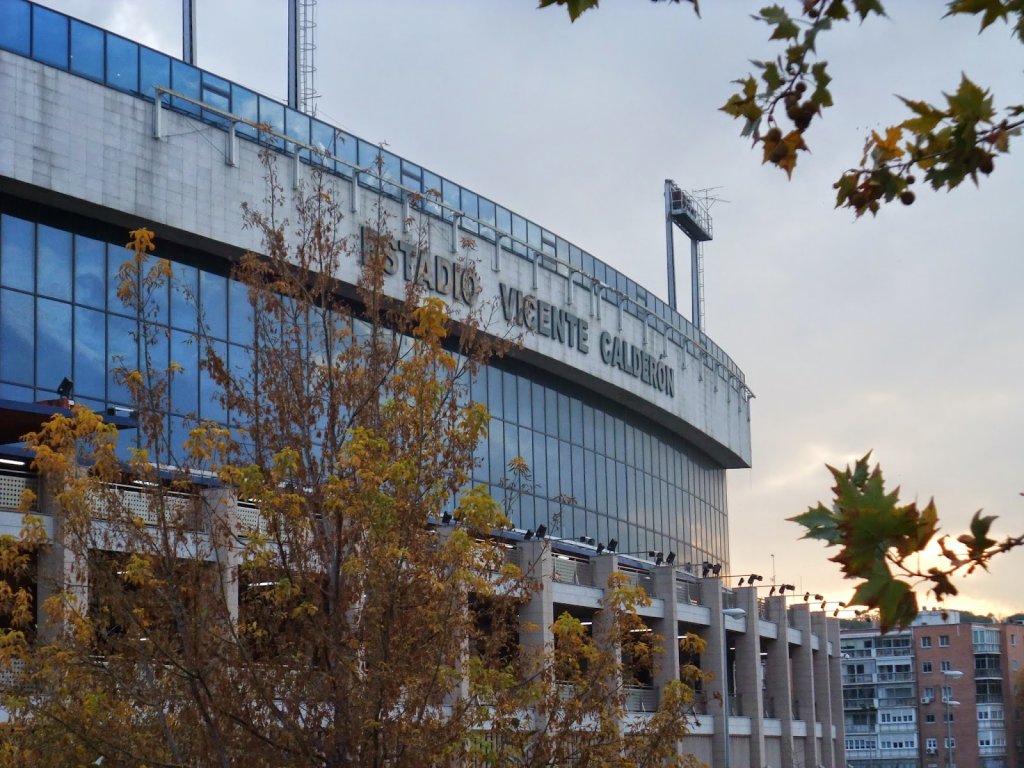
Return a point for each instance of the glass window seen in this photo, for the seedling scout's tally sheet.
(431, 192)
(213, 292)
(540, 461)
(14, 26)
(943, 641)
(564, 432)
(450, 197)
(53, 319)
(50, 37)
(122, 64)
(391, 169)
(17, 253)
(240, 329)
(217, 93)
(493, 391)
(184, 295)
(17, 319)
(525, 402)
(54, 257)
(503, 222)
(272, 115)
(90, 356)
(519, 232)
(322, 137)
(245, 104)
(509, 397)
(210, 404)
(345, 148)
(185, 80)
(90, 263)
(471, 207)
(537, 405)
(154, 69)
(368, 154)
(123, 353)
(185, 384)
(487, 215)
(496, 450)
(86, 50)
(296, 125)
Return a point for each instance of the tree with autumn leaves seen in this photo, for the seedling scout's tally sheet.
(940, 144)
(280, 590)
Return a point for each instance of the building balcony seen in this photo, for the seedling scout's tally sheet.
(986, 648)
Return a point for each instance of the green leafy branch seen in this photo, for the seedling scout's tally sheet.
(876, 536)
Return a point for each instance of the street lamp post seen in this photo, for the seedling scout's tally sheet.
(736, 613)
(950, 674)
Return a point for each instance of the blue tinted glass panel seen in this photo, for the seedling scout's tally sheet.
(213, 290)
(508, 397)
(210, 405)
(122, 64)
(412, 176)
(322, 137)
(345, 146)
(185, 80)
(185, 384)
(90, 353)
(431, 192)
(115, 258)
(123, 352)
(494, 394)
(241, 327)
(296, 125)
(17, 329)
(86, 50)
(14, 26)
(54, 256)
(470, 206)
(519, 232)
(157, 303)
(90, 261)
(368, 159)
(487, 215)
(17, 253)
(155, 69)
(450, 196)
(391, 169)
(217, 93)
(245, 104)
(184, 295)
(53, 319)
(50, 37)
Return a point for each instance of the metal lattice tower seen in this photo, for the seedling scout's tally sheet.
(302, 93)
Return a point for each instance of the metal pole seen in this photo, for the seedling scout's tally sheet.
(725, 695)
(695, 284)
(670, 253)
(293, 54)
(188, 31)
(949, 735)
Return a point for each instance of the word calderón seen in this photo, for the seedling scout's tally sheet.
(636, 362)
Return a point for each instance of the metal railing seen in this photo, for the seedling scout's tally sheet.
(13, 485)
(641, 699)
(571, 570)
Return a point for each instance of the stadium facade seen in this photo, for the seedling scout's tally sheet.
(628, 414)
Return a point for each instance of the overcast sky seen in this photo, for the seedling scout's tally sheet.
(903, 335)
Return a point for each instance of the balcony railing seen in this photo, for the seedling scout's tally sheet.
(986, 648)
(989, 698)
(569, 570)
(12, 485)
(687, 591)
(640, 579)
(641, 699)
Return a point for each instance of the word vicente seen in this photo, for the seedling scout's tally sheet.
(529, 312)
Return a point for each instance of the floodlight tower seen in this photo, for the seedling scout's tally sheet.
(302, 93)
(188, 31)
(690, 215)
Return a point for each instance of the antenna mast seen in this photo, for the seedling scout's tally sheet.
(302, 93)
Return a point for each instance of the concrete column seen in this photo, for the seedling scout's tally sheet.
(835, 678)
(748, 673)
(714, 661)
(823, 689)
(777, 674)
(222, 511)
(666, 663)
(537, 616)
(61, 568)
(603, 566)
(803, 680)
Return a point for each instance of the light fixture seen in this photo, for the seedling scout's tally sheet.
(807, 596)
(612, 545)
(12, 462)
(542, 531)
(716, 569)
(659, 559)
(651, 553)
(671, 559)
(600, 547)
(705, 569)
(772, 592)
(528, 535)
(446, 518)
(67, 386)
